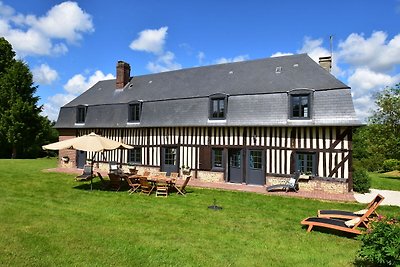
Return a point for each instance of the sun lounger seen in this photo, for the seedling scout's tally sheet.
(342, 214)
(292, 184)
(350, 226)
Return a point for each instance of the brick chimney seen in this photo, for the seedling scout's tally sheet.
(326, 63)
(123, 74)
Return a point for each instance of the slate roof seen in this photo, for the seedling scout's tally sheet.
(257, 96)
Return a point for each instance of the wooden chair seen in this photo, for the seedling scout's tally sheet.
(113, 167)
(349, 226)
(161, 188)
(348, 215)
(145, 186)
(115, 181)
(182, 189)
(133, 184)
(103, 182)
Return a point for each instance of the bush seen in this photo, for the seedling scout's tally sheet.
(361, 180)
(381, 245)
(391, 165)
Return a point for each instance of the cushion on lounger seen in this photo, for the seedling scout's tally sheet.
(361, 212)
(352, 222)
(292, 181)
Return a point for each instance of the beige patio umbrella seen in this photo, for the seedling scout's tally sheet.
(90, 142)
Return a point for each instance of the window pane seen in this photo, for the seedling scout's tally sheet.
(170, 156)
(134, 112)
(236, 159)
(305, 163)
(300, 106)
(218, 108)
(135, 155)
(217, 157)
(255, 159)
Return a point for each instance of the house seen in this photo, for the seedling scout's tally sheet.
(252, 122)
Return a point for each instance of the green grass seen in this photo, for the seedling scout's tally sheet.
(48, 219)
(386, 181)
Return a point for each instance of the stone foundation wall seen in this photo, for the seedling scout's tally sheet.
(208, 176)
(317, 184)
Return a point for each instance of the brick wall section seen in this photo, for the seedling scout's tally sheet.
(70, 153)
(207, 176)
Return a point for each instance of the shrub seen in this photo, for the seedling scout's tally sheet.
(381, 245)
(391, 165)
(361, 180)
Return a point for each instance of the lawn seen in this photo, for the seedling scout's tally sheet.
(48, 219)
(386, 181)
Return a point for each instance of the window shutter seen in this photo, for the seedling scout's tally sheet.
(293, 162)
(205, 158)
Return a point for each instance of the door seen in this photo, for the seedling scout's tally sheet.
(235, 165)
(80, 159)
(169, 161)
(255, 173)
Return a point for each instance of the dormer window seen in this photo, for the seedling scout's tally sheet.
(81, 114)
(134, 112)
(218, 105)
(300, 106)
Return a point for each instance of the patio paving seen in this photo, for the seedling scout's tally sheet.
(348, 197)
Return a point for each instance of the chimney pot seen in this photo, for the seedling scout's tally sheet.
(326, 63)
(123, 74)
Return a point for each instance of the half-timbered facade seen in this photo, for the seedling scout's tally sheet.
(251, 122)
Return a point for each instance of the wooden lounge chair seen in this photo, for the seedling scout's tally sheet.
(103, 182)
(113, 167)
(349, 226)
(145, 186)
(347, 215)
(292, 184)
(182, 189)
(86, 175)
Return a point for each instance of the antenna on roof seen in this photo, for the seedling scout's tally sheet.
(330, 43)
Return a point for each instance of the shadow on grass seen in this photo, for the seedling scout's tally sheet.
(330, 232)
(389, 177)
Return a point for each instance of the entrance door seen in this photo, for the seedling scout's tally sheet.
(169, 161)
(255, 173)
(80, 159)
(235, 165)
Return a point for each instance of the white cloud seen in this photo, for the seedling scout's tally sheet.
(200, 57)
(239, 58)
(366, 80)
(376, 52)
(79, 83)
(43, 74)
(151, 41)
(32, 35)
(281, 54)
(52, 107)
(165, 62)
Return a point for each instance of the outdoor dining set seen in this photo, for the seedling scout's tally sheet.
(146, 183)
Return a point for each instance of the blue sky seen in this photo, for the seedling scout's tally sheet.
(71, 45)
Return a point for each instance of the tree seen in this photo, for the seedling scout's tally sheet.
(380, 139)
(20, 119)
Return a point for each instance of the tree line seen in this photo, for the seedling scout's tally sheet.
(23, 130)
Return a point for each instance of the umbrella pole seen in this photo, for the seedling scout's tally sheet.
(91, 172)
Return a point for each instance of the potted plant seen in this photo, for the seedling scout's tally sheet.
(306, 175)
(185, 170)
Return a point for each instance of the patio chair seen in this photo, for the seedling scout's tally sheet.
(86, 175)
(292, 184)
(115, 181)
(342, 214)
(113, 167)
(161, 188)
(182, 189)
(134, 185)
(349, 226)
(145, 186)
